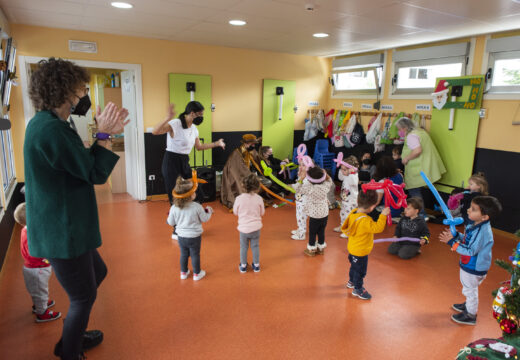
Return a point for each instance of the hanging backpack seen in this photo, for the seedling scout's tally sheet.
(385, 138)
(374, 128)
(358, 134)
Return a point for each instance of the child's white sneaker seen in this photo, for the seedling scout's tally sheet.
(296, 237)
(343, 236)
(200, 275)
(294, 232)
(337, 229)
(184, 275)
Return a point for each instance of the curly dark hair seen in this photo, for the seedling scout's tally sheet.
(251, 183)
(54, 81)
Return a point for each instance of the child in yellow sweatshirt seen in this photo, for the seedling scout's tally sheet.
(360, 229)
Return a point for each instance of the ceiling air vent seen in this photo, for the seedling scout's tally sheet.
(82, 46)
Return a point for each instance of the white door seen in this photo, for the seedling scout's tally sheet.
(131, 146)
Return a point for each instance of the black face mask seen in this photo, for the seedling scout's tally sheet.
(198, 120)
(270, 157)
(82, 106)
(367, 161)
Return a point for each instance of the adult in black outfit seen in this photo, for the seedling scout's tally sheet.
(181, 137)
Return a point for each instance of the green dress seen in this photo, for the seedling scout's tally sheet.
(60, 173)
(429, 161)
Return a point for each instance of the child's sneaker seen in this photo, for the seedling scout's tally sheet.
(350, 285)
(464, 318)
(242, 268)
(343, 236)
(200, 275)
(294, 232)
(362, 294)
(48, 315)
(459, 307)
(337, 229)
(50, 304)
(184, 275)
(256, 268)
(309, 252)
(296, 237)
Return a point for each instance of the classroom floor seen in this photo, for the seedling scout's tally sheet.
(296, 308)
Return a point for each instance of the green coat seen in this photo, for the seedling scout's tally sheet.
(429, 161)
(60, 173)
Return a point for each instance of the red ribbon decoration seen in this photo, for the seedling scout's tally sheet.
(389, 188)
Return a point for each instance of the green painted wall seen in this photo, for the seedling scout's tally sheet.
(180, 97)
(457, 146)
(276, 133)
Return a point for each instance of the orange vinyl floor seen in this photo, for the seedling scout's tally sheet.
(296, 308)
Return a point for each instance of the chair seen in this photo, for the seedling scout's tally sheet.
(323, 158)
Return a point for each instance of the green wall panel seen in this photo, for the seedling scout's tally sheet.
(457, 146)
(180, 97)
(276, 133)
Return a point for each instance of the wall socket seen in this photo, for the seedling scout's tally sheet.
(151, 177)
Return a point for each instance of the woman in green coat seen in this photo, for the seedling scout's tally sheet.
(419, 153)
(60, 173)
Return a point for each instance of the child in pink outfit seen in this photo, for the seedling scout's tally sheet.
(249, 207)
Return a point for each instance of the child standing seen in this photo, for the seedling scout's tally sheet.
(301, 217)
(249, 207)
(187, 216)
(411, 225)
(477, 185)
(360, 229)
(396, 155)
(349, 190)
(315, 205)
(474, 247)
(36, 274)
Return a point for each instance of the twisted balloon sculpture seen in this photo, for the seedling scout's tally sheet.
(339, 161)
(389, 188)
(269, 173)
(452, 222)
(306, 161)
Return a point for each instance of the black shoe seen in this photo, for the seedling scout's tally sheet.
(459, 307)
(464, 318)
(91, 338)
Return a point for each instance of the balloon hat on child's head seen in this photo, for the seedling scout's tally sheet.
(191, 191)
(306, 161)
(339, 161)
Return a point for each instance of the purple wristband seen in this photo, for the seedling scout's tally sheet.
(102, 136)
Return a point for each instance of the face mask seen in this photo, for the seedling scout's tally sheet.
(402, 133)
(198, 120)
(82, 106)
(270, 157)
(366, 161)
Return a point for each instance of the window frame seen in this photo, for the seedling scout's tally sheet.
(359, 93)
(500, 89)
(463, 60)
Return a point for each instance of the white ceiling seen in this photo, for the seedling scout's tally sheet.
(278, 25)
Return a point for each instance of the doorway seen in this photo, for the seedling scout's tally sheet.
(131, 98)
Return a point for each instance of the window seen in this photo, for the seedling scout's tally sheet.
(416, 70)
(357, 75)
(503, 74)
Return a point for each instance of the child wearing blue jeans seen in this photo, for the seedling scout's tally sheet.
(474, 247)
(187, 216)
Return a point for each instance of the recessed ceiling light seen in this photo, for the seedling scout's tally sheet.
(237, 22)
(320, 35)
(122, 5)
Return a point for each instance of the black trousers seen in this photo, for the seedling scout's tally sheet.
(80, 277)
(317, 228)
(173, 166)
(358, 270)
